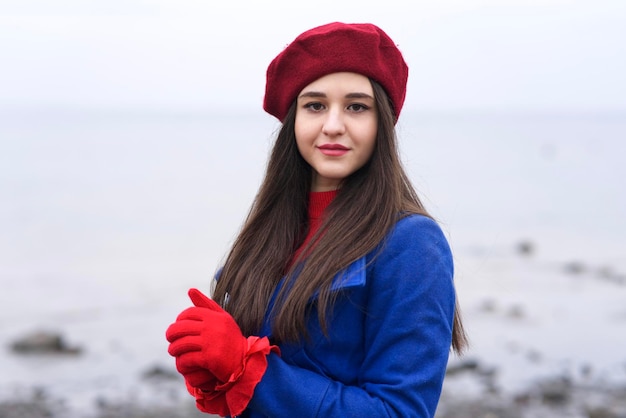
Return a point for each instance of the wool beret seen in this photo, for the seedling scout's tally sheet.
(361, 48)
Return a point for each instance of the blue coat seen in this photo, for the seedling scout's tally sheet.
(389, 337)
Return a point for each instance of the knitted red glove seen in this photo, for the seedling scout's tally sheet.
(207, 342)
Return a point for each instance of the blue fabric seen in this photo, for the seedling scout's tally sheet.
(389, 337)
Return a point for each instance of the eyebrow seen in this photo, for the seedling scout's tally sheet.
(348, 96)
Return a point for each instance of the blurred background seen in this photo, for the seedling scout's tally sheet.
(132, 142)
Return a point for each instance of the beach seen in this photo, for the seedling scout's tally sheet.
(107, 218)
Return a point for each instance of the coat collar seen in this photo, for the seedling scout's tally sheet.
(351, 276)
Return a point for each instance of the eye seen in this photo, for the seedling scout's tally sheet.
(358, 107)
(314, 106)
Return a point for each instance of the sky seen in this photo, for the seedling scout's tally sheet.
(552, 55)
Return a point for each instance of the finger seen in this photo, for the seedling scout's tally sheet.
(194, 313)
(186, 345)
(201, 378)
(182, 328)
(202, 301)
(190, 363)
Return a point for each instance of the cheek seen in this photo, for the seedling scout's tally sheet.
(305, 136)
(302, 144)
(368, 151)
(368, 143)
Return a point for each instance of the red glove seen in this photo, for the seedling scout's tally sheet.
(221, 365)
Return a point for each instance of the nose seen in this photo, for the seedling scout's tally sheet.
(334, 123)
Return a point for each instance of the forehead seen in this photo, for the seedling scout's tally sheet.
(343, 82)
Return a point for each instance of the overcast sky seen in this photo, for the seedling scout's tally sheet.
(193, 54)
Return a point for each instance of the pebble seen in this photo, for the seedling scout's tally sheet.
(42, 342)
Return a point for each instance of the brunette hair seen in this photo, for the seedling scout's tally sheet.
(370, 202)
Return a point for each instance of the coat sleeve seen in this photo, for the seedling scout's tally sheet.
(410, 308)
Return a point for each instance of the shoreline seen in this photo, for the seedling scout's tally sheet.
(546, 341)
(558, 396)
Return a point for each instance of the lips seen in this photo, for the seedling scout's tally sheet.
(333, 150)
(333, 146)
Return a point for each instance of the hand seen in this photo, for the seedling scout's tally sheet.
(221, 367)
(201, 379)
(205, 337)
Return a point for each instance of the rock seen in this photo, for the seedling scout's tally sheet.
(132, 410)
(534, 356)
(610, 275)
(470, 365)
(488, 305)
(489, 407)
(516, 312)
(33, 405)
(606, 272)
(24, 409)
(586, 370)
(41, 342)
(159, 373)
(575, 267)
(556, 392)
(525, 248)
(601, 412)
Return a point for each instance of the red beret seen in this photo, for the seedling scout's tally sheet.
(336, 47)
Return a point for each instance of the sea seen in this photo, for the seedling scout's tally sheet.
(107, 217)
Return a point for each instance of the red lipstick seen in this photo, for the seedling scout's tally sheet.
(333, 150)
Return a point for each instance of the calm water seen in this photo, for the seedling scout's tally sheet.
(106, 219)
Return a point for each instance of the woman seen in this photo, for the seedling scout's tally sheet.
(337, 297)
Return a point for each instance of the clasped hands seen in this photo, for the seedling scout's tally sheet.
(221, 367)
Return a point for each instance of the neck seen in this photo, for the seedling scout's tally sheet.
(318, 202)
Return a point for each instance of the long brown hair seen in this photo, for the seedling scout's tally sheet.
(368, 206)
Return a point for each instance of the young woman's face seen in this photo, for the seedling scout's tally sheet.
(336, 123)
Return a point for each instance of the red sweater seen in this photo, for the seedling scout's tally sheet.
(318, 202)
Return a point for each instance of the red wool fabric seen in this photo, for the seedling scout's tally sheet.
(361, 48)
(318, 202)
(232, 397)
(206, 338)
